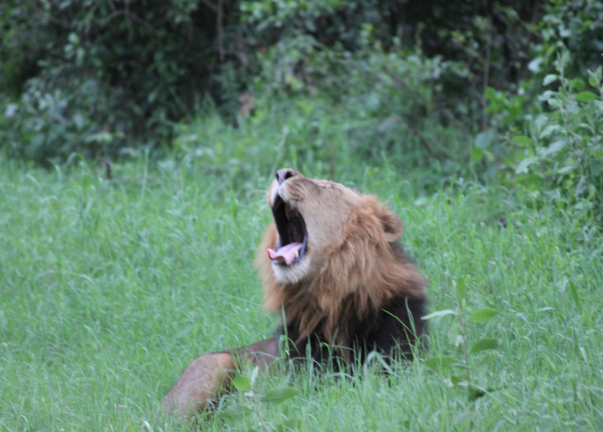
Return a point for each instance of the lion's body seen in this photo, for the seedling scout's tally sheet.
(385, 332)
(343, 282)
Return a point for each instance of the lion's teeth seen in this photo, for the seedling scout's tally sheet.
(296, 254)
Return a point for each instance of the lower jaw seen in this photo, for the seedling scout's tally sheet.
(291, 274)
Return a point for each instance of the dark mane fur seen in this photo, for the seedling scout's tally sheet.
(391, 329)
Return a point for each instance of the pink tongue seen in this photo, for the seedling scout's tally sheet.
(286, 253)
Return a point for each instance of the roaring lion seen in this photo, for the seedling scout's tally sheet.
(331, 264)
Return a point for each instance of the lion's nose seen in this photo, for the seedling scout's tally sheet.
(284, 174)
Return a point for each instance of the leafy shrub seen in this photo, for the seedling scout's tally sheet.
(94, 76)
(418, 82)
(563, 153)
(575, 29)
(412, 79)
(52, 125)
(144, 64)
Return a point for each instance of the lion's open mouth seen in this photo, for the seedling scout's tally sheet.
(293, 237)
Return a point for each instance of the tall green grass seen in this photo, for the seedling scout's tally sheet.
(108, 289)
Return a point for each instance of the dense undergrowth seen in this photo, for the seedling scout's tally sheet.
(110, 287)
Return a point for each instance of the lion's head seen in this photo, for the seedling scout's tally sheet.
(329, 246)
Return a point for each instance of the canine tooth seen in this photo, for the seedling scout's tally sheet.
(296, 254)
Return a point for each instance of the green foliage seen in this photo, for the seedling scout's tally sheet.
(52, 126)
(547, 135)
(573, 29)
(120, 72)
(484, 314)
(454, 94)
(95, 77)
(448, 365)
(310, 134)
(555, 150)
(302, 133)
(252, 402)
(462, 89)
(484, 45)
(266, 14)
(564, 153)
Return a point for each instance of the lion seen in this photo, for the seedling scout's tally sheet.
(331, 264)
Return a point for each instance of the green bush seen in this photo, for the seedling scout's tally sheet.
(82, 118)
(563, 153)
(572, 28)
(411, 77)
(120, 72)
(95, 76)
(435, 84)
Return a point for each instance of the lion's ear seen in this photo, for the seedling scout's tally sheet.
(391, 223)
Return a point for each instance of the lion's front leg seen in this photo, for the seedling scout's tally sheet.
(204, 380)
(209, 376)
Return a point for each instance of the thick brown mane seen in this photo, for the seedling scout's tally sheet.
(358, 276)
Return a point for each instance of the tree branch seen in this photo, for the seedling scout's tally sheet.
(219, 19)
(219, 11)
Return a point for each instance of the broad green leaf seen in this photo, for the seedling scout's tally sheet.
(280, 395)
(254, 374)
(485, 344)
(482, 315)
(460, 290)
(438, 314)
(547, 131)
(241, 383)
(234, 412)
(592, 81)
(521, 140)
(484, 139)
(549, 79)
(577, 83)
(585, 96)
(546, 96)
(456, 380)
(437, 362)
(566, 169)
(444, 362)
(522, 167)
(477, 154)
(554, 148)
(102, 137)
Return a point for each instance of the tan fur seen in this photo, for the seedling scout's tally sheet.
(209, 376)
(350, 258)
(202, 381)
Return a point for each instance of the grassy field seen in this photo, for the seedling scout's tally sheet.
(109, 289)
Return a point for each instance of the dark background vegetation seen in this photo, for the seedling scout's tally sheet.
(506, 91)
